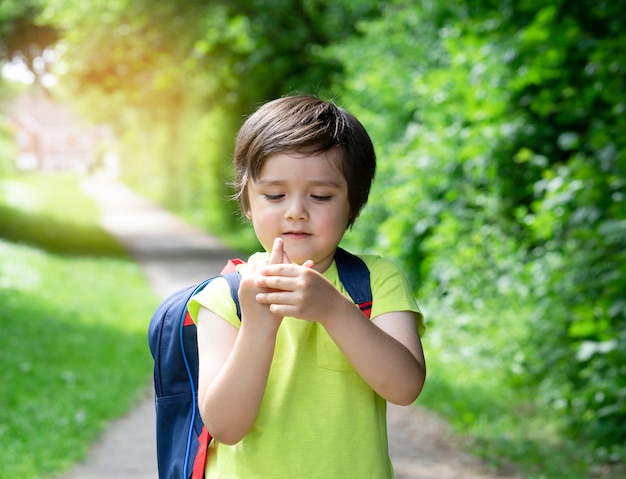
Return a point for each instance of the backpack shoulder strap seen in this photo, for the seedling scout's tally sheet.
(234, 279)
(355, 277)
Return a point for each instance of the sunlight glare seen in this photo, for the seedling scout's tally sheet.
(16, 70)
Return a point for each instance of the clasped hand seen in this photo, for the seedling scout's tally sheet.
(277, 288)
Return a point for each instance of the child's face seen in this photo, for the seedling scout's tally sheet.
(304, 201)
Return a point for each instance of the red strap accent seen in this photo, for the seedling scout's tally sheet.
(199, 464)
(366, 308)
(231, 266)
(187, 321)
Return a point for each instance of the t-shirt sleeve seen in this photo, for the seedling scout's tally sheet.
(391, 290)
(215, 297)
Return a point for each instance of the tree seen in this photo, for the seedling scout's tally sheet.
(176, 79)
(24, 36)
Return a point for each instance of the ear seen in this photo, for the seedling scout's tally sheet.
(248, 215)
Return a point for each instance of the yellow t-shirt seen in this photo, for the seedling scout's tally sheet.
(318, 418)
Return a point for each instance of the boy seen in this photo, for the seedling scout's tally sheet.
(298, 387)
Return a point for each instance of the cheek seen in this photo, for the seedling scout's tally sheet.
(261, 211)
(337, 219)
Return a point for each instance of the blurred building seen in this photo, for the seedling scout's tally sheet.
(50, 137)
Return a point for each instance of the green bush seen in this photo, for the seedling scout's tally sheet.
(501, 190)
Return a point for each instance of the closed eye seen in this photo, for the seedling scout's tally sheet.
(321, 198)
(274, 197)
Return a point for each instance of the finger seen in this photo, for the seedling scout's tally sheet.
(286, 259)
(273, 282)
(273, 297)
(277, 253)
(308, 263)
(279, 270)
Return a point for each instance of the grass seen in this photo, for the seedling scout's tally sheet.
(74, 315)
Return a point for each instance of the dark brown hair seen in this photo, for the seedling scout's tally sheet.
(305, 125)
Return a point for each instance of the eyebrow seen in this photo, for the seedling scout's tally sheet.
(323, 182)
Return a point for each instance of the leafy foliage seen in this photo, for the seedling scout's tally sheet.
(508, 139)
(24, 36)
(176, 78)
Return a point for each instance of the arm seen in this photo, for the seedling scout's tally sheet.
(233, 370)
(234, 365)
(386, 352)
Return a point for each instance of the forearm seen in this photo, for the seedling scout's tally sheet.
(388, 366)
(230, 403)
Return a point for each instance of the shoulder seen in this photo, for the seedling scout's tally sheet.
(391, 290)
(380, 267)
(216, 286)
(216, 297)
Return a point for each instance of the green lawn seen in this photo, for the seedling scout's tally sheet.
(74, 316)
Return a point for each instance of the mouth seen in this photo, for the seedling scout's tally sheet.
(296, 234)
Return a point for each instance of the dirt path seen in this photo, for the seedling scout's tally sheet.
(173, 255)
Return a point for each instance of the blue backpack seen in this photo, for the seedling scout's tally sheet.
(182, 439)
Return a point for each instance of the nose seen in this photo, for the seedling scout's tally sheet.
(296, 209)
